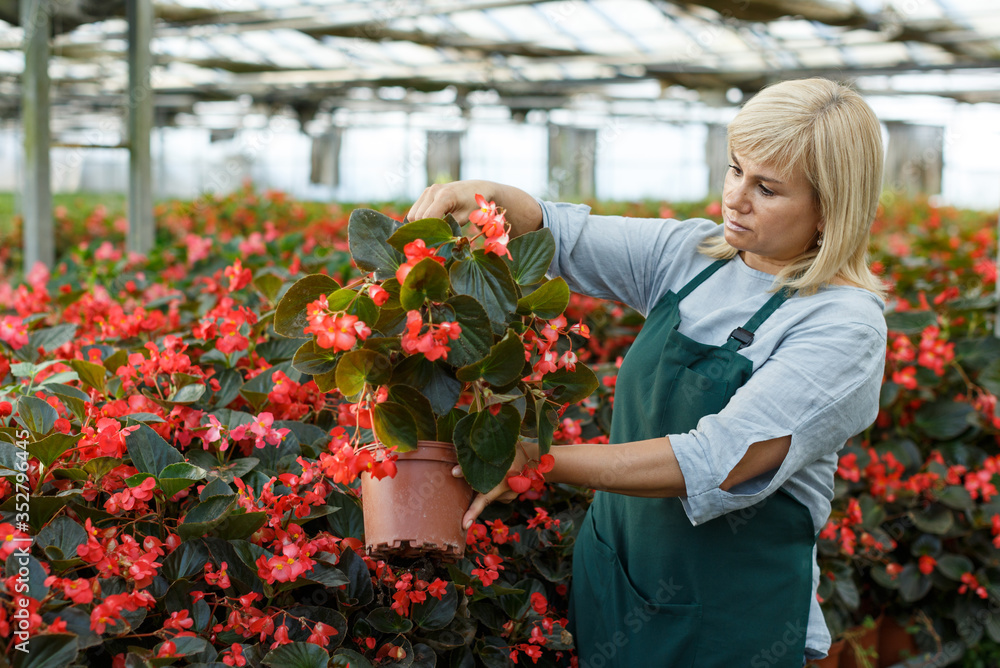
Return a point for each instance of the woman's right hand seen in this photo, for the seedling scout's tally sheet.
(459, 199)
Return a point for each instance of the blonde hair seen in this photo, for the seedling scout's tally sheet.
(828, 131)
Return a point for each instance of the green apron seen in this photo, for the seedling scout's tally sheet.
(650, 589)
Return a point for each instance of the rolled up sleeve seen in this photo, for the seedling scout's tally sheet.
(820, 386)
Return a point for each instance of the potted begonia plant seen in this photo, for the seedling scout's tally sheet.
(452, 348)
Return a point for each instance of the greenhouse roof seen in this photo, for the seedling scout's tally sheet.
(313, 54)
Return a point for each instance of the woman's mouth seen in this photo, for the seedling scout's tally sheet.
(736, 228)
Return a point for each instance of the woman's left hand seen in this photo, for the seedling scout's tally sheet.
(501, 492)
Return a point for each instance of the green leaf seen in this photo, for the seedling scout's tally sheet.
(945, 419)
(433, 379)
(486, 278)
(91, 375)
(936, 519)
(910, 322)
(63, 534)
(570, 386)
(394, 426)
(206, 516)
(434, 614)
(242, 526)
(37, 415)
(359, 590)
(48, 650)
(368, 232)
(502, 366)
(954, 566)
(314, 360)
(427, 281)
(49, 448)
(485, 444)
(848, 592)
(73, 397)
(51, 338)
(269, 285)
(100, 466)
(532, 254)
(477, 336)
(181, 475)
(36, 575)
(359, 367)
(187, 561)
(348, 658)
(297, 655)
(290, 316)
(419, 408)
(187, 395)
(913, 585)
(149, 452)
(548, 301)
(957, 497)
(385, 620)
(545, 427)
(433, 231)
(989, 377)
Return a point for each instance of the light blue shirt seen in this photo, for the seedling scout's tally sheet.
(817, 361)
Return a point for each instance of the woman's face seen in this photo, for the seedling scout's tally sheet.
(771, 220)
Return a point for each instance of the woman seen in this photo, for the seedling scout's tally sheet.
(762, 353)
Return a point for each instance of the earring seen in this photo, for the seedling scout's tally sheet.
(819, 241)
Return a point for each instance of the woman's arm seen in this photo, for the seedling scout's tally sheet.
(459, 199)
(640, 468)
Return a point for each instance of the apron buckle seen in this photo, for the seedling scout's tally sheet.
(744, 336)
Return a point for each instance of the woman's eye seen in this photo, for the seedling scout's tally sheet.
(766, 192)
(736, 170)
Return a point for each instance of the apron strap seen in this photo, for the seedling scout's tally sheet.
(700, 278)
(742, 337)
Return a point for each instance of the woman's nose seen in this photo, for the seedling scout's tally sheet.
(735, 198)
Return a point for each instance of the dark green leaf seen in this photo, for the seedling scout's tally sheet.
(91, 375)
(297, 655)
(48, 650)
(37, 415)
(570, 386)
(545, 425)
(360, 367)
(503, 364)
(936, 519)
(313, 360)
(485, 444)
(446, 425)
(149, 452)
(51, 338)
(205, 516)
(269, 285)
(427, 281)
(954, 566)
(385, 620)
(433, 379)
(186, 395)
(49, 448)
(945, 419)
(181, 475)
(62, 533)
(290, 316)
(419, 407)
(957, 497)
(367, 235)
(394, 426)
(359, 590)
(913, 585)
(989, 377)
(532, 254)
(35, 579)
(477, 335)
(433, 231)
(348, 658)
(486, 278)
(187, 561)
(548, 301)
(434, 614)
(910, 322)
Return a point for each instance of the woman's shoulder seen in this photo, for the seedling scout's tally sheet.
(844, 306)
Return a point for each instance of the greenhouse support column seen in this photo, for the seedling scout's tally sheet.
(39, 244)
(141, 230)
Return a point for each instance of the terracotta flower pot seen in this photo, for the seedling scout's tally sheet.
(419, 511)
(894, 643)
(866, 641)
(832, 659)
